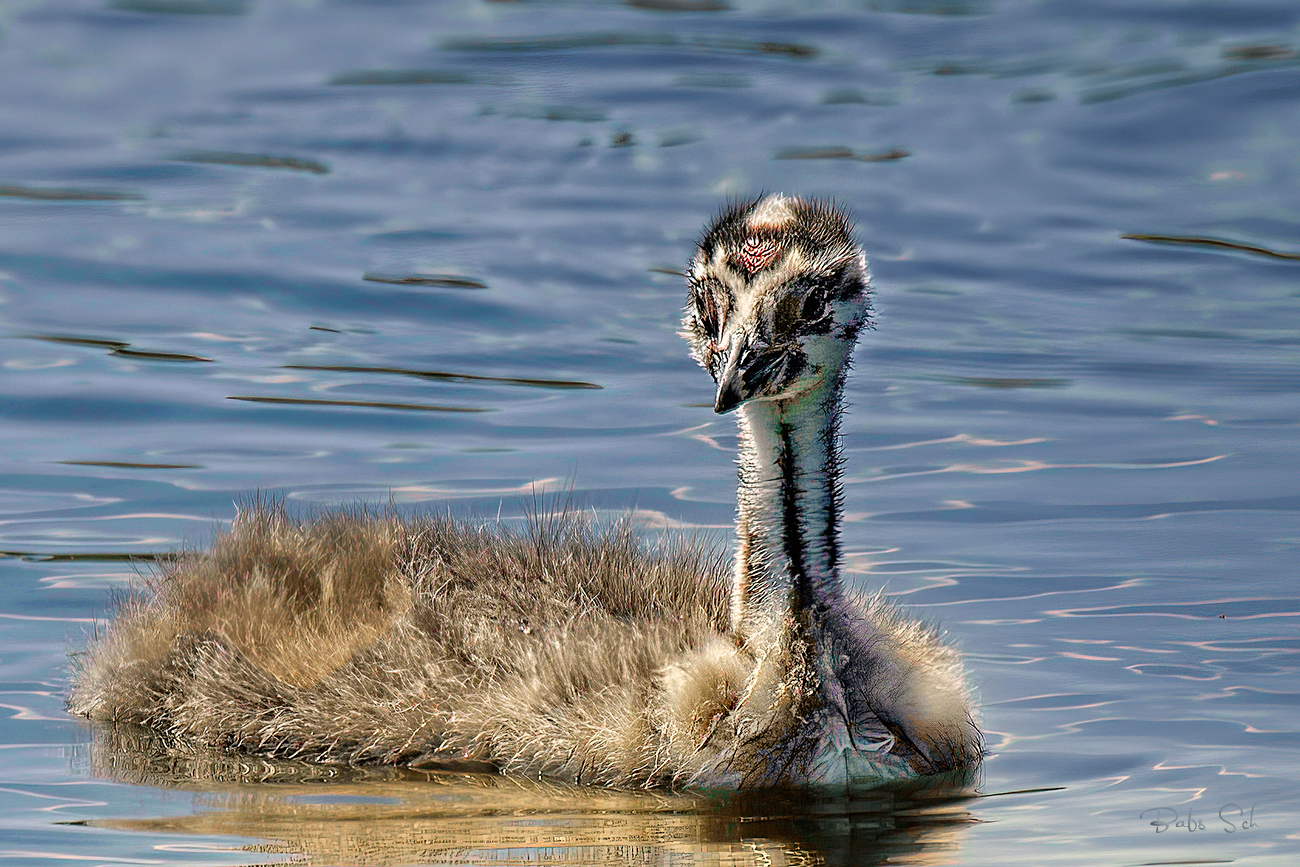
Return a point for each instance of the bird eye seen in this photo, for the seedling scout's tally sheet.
(814, 304)
(706, 307)
(803, 310)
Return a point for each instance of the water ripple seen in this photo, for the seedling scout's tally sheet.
(364, 404)
(265, 161)
(67, 194)
(443, 376)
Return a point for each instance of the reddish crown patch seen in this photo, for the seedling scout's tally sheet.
(755, 254)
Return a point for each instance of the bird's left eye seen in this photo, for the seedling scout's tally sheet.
(814, 304)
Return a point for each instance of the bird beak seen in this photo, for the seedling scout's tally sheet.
(731, 384)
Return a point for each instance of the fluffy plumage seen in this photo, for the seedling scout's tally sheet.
(567, 650)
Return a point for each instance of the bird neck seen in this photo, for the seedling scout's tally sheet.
(788, 508)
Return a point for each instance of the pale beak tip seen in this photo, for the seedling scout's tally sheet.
(729, 397)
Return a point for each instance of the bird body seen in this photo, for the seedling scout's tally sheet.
(567, 650)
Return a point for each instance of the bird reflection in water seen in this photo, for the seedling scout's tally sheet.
(336, 814)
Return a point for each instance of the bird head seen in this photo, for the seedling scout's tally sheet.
(778, 293)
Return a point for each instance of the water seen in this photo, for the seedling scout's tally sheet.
(1076, 451)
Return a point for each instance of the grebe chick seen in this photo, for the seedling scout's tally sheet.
(567, 651)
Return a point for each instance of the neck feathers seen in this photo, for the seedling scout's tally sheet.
(788, 508)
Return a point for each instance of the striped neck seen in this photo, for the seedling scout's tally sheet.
(788, 508)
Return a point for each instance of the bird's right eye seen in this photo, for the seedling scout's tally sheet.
(706, 307)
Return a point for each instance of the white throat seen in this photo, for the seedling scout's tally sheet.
(788, 508)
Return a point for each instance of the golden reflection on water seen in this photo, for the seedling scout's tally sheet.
(341, 815)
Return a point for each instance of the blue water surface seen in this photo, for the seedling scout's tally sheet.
(1078, 452)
